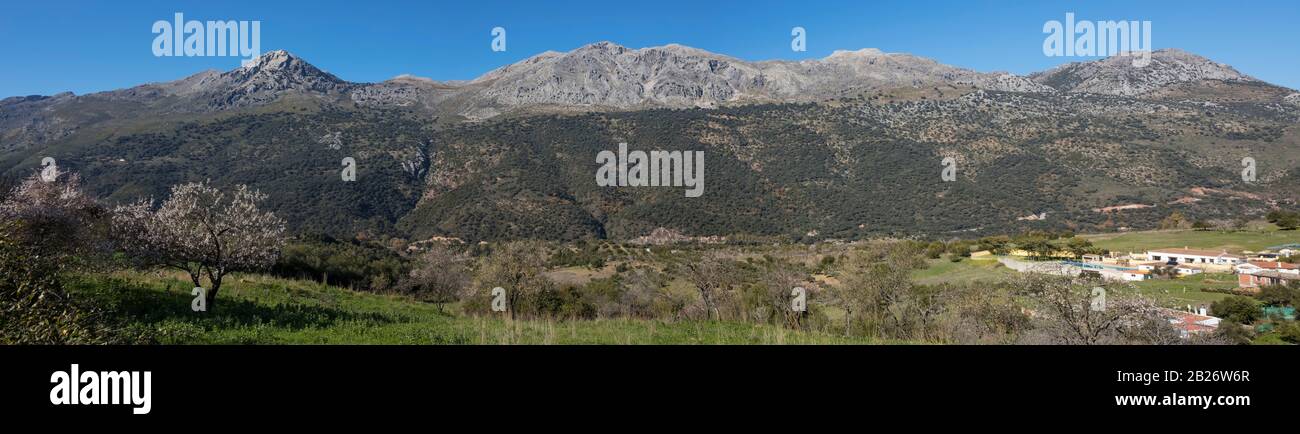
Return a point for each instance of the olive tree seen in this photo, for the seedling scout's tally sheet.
(516, 267)
(711, 275)
(438, 276)
(203, 231)
(778, 282)
(877, 285)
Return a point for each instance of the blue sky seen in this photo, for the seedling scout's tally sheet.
(51, 46)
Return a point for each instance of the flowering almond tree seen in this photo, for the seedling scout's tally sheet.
(202, 231)
(58, 218)
(1071, 314)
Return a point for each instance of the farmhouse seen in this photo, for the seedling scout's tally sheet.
(1267, 278)
(1255, 266)
(1198, 257)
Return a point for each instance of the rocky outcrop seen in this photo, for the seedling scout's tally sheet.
(1118, 75)
(609, 75)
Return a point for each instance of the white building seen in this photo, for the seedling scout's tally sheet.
(1197, 257)
(1253, 267)
(1130, 275)
(1147, 265)
(1185, 270)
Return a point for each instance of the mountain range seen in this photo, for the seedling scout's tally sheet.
(844, 146)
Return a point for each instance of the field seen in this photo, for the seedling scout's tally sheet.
(579, 275)
(255, 309)
(939, 271)
(258, 309)
(1234, 242)
(1182, 291)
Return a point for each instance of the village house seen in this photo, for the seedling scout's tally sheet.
(1255, 266)
(1187, 270)
(1267, 278)
(1189, 323)
(1209, 260)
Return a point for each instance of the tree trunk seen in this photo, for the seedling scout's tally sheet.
(708, 304)
(211, 299)
(848, 314)
(212, 293)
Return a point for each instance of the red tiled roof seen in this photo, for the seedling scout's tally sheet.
(1187, 321)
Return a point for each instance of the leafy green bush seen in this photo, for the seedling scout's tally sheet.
(1236, 309)
(1286, 220)
(358, 265)
(34, 308)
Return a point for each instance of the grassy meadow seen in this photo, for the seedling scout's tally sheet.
(940, 271)
(255, 309)
(1182, 291)
(1233, 242)
(260, 309)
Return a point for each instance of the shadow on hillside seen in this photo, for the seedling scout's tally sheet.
(149, 306)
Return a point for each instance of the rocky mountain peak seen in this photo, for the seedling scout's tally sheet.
(268, 77)
(1117, 75)
(281, 65)
(851, 54)
(273, 59)
(606, 75)
(603, 47)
